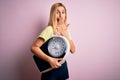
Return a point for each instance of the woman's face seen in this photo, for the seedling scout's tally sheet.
(60, 14)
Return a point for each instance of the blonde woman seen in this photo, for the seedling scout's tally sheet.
(57, 25)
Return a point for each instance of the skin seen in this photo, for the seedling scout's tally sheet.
(62, 28)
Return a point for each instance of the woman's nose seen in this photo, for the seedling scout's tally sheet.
(60, 14)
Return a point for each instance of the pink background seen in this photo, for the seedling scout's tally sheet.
(95, 29)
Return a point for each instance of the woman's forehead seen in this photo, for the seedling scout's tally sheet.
(60, 8)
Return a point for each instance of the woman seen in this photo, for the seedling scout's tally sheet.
(57, 26)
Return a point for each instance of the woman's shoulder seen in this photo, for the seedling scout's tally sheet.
(49, 28)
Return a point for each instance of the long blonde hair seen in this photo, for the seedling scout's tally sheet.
(52, 18)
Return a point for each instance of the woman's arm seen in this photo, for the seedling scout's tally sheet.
(64, 33)
(37, 51)
(72, 46)
(64, 29)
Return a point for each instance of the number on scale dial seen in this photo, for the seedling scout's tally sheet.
(57, 47)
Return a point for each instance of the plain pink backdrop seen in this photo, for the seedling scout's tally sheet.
(95, 29)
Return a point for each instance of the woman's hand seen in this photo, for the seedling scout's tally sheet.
(62, 27)
(54, 62)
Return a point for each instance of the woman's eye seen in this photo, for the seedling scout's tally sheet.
(63, 12)
(57, 12)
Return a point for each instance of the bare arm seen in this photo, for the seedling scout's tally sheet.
(72, 46)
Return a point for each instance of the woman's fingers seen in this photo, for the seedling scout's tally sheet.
(59, 59)
(54, 62)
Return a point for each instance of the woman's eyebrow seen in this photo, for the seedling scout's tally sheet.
(60, 10)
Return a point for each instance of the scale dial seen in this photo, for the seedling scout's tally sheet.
(57, 47)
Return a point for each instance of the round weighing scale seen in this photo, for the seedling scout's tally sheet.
(57, 47)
